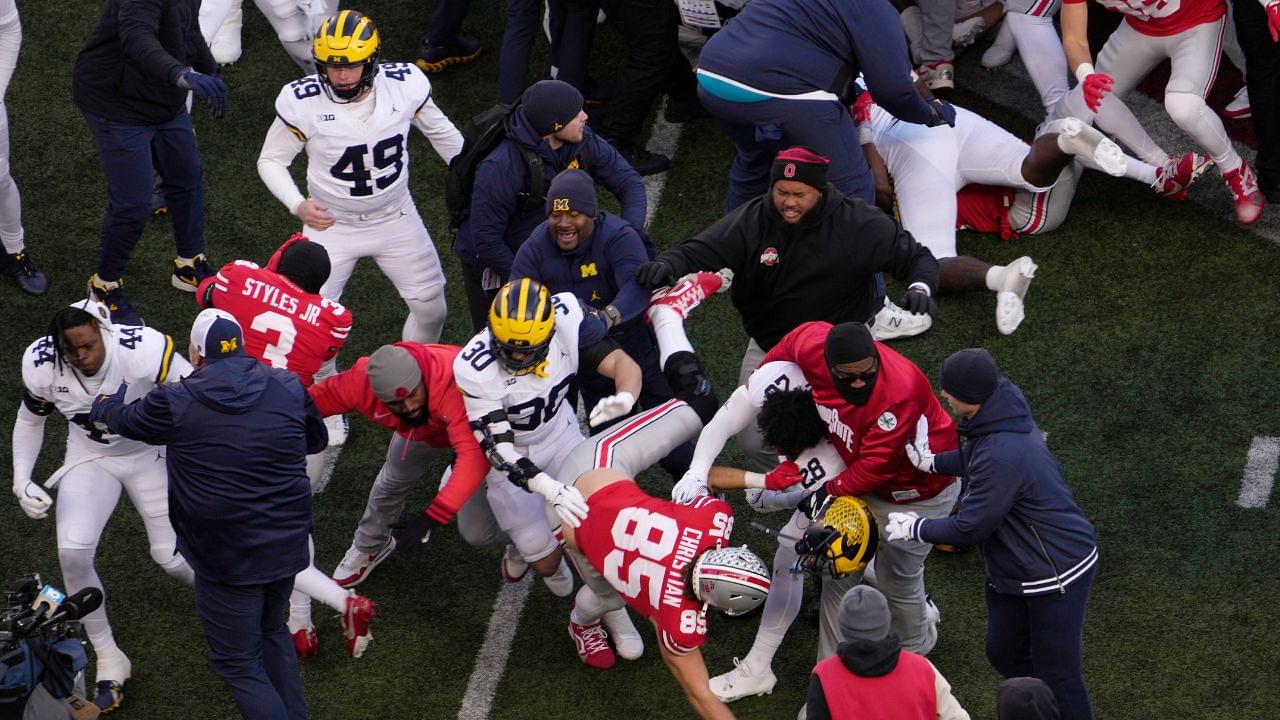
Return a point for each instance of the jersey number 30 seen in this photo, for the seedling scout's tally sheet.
(351, 167)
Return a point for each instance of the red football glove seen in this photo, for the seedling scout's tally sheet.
(1273, 19)
(1096, 86)
(783, 476)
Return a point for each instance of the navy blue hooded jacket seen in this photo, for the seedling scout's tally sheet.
(238, 433)
(600, 271)
(128, 69)
(1016, 507)
(496, 228)
(790, 47)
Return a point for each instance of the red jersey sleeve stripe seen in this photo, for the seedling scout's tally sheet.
(674, 647)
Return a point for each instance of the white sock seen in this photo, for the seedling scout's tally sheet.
(995, 274)
(561, 583)
(588, 608)
(668, 327)
(321, 587)
(299, 611)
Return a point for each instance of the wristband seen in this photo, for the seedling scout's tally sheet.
(754, 480)
(922, 287)
(1084, 70)
(865, 136)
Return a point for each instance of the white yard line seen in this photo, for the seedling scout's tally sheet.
(1259, 472)
(491, 662)
(1013, 89)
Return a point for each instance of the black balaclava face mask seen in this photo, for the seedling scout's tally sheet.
(307, 264)
(846, 343)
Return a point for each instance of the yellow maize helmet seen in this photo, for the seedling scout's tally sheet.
(346, 39)
(522, 321)
(843, 541)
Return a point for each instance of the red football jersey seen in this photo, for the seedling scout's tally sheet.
(284, 325)
(1162, 18)
(872, 438)
(644, 546)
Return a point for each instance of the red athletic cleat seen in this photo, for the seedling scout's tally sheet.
(593, 645)
(688, 292)
(1175, 176)
(1243, 184)
(355, 623)
(306, 643)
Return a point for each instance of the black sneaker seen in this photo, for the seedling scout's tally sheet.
(435, 58)
(644, 162)
(111, 294)
(24, 271)
(187, 277)
(684, 110)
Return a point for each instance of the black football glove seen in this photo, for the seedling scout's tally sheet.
(918, 302)
(655, 274)
(812, 503)
(414, 533)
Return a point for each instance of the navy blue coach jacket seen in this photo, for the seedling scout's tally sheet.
(1016, 507)
(496, 228)
(238, 433)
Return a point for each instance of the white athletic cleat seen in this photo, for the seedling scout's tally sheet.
(963, 34)
(1238, 108)
(739, 683)
(893, 322)
(1077, 138)
(688, 292)
(514, 567)
(356, 564)
(1010, 305)
(338, 428)
(1002, 50)
(626, 638)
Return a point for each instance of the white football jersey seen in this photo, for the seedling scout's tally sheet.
(535, 405)
(140, 356)
(819, 463)
(357, 153)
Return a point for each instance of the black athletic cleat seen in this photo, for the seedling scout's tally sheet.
(24, 271)
(435, 58)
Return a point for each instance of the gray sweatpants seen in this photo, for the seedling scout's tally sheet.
(406, 462)
(939, 19)
(899, 574)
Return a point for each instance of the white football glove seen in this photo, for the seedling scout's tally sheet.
(691, 487)
(610, 408)
(765, 501)
(34, 500)
(918, 451)
(567, 502)
(903, 526)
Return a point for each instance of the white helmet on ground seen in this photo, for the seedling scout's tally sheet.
(733, 580)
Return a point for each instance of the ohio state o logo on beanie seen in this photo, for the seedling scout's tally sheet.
(801, 165)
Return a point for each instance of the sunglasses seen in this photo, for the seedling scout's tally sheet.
(865, 376)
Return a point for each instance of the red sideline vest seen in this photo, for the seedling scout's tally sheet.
(908, 693)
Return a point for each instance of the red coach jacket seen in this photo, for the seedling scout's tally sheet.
(872, 439)
(446, 427)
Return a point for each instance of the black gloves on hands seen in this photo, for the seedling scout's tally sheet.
(918, 302)
(414, 533)
(655, 274)
(209, 87)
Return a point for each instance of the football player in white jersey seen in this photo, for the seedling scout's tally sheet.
(516, 376)
(353, 119)
(776, 397)
(14, 262)
(295, 23)
(84, 355)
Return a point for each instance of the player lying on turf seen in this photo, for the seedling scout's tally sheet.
(922, 170)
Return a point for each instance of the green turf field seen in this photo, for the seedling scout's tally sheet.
(1148, 356)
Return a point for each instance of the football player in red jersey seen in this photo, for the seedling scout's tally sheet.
(871, 398)
(287, 324)
(669, 563)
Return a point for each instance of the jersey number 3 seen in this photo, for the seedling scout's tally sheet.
(276, 353)
(352, 168)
